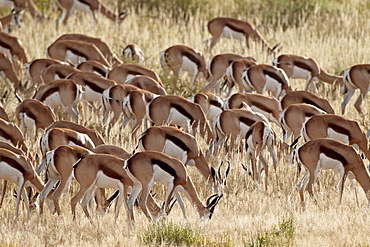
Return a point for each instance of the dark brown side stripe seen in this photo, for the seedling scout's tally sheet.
(178, 142)
(216, 103)
(49, 92)
(192, 58)
(247, 121)
(339, 129)
(93, 86)
(274, 76)
(13, 163)
(334, 155)
(77, 52)
(302, 66)
(180, 109)
(310, 102)
(164, 166)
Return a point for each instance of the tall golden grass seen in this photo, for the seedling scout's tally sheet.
(245, 216)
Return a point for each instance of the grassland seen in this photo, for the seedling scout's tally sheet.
(335, 33)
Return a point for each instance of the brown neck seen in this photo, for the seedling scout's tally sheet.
(326, 77)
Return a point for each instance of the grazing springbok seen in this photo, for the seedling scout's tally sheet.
(260, 136)
(217, 67)
(57, 71)
(34, 69)
(9, 146)
(234, 73)
(33, 115)
(11, 133)
(326, 153)
(61, 93)
(179, 58)
(296, 97)
(56, 137)
(27, 5)
(145, 168)
(232, 124)
(98, 42)
(211, 104)
(13, 47)
(124, 72)
(94, 66)
(12, 20)
(93, 85)
(59, 163)
(134, 107)
(112, 101)
(296, 66)
(147, 83)
(267, 105)
(75, 51)
(90, 6)
(338, 128)
(356, 77)
(18, 169)
(177, 110)
(94, 135)
(133, 53)
(294, 116)
(265, 77)
(236, 29)
(180, 145)
(104, 171)
(8, 72)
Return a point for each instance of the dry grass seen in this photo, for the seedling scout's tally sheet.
(245, 216)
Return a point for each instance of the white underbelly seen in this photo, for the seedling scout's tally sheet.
(103, 181)
(175, 117)
(213, 112)
(27, 123)
(300, 73)
(337, 136)
(231, 34)
(189, 66)
(175, 151)
(91, 95)
(53, 100)
(272, 84)
(74, 58)
(9, 173)
(161, 176)
(327, 163)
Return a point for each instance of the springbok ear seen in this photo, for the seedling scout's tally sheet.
(112, 198)
(208, 201)
(223, 180)
(213, 203)
(171, 204)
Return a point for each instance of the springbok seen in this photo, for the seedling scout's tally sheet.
(133, 53)
(217, 67)
(19, 170)
(326, 153)
(267, 105)
(232, 124)
(180, 145)
(296, 66)
(265, 77)
(91, 6)
(145, 168)
(294, 116)
(296, 97)
(180, 58)
(356, 77)
(99, 43)
(236, 29)
(177, 110)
